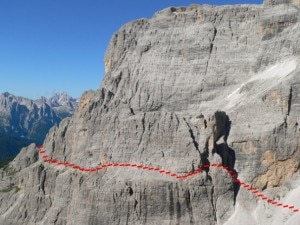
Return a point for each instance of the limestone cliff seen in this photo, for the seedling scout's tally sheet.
(189, 87)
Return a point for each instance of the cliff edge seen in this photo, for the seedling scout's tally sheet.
(191, 86)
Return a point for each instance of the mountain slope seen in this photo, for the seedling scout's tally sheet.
(23, 121)
(189, 87)
(10, 147)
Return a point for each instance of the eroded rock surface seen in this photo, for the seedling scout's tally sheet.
(188, 87)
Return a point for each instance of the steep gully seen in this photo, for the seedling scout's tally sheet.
(248, 187)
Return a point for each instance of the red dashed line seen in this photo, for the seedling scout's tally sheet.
(248, 187)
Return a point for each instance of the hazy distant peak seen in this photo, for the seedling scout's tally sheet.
(23, 117)
(61, 103)
(6, 94)
(62, 99)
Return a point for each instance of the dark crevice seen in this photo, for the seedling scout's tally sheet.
(43, 179)
(135, 204)
(211, 48)
(63, 133)
(189, 206)
(178, 207)
(143, 122)
(146, 208)
(171, 207)
(213, 40)
(204, 160)
(114, 198)
(102, 93)
(56, 218)
(25, 214)
(178, 212)
(205, 154)
(265, 186)
(128, 213)
(117, 80)
(213, 204)
(131, 111)
(290, 101)
(177, 122)
(143, 126)
(130, 191)
(206, 67)
(53, 148)
(192, 136)
(80, 181)
(193, 168)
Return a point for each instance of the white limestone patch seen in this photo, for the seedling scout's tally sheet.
(262, 82)
(284, 216)
(268, 214)
(279, 70)
(241, 216)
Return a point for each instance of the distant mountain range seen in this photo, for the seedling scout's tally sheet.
(62, 104)
(23, 121)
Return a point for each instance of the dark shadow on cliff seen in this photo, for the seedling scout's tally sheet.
(221, 147)
(236, 185)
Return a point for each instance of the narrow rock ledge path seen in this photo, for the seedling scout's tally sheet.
(248, 187)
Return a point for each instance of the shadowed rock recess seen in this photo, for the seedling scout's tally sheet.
(188, 87)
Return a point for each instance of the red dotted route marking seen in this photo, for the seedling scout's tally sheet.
(248, 187)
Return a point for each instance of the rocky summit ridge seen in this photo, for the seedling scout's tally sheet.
(190, 86)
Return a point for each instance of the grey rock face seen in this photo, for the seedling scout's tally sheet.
(128, 196)
(188, 87)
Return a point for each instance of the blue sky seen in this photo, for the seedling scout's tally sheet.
(49, 46)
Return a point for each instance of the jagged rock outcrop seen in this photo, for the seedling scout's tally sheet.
(188, 87)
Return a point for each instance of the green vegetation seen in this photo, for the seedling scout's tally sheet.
(10, 188)
(10, 147)
(12, 144)
(9, 170)
(5, 162)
